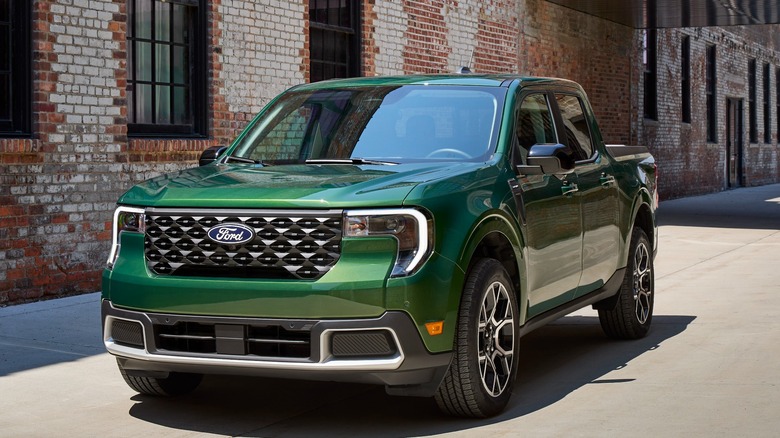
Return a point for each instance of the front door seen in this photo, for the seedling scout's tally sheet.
(549, 212)
(734, 141)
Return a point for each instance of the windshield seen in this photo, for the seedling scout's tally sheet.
(377, 124)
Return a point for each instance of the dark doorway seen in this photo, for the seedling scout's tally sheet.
(735, 132)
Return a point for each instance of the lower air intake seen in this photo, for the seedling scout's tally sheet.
(129, 334)
(374, 343)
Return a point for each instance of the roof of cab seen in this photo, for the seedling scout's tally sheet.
(487, 80)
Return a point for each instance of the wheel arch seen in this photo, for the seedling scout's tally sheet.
(494, 237)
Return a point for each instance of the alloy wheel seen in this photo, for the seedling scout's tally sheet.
(496, 334)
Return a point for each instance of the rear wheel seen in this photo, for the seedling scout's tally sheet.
(174, 384)
(480, 378)
(631, 317)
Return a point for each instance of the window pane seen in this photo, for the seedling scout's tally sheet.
(130, 104)
(5, 10)
(345, 16)
(329, 71)
(342, 48)
(5, 47)
(316, 44)
(163, 22)
(333, 12)
(328, 49)
(319, 10)
(143, 60)
(143, 102)
(316, 72)
(143, 18)
(576, 125)
(534, 123)
(181, 113)
(5, 97)
(180, 24)
(163, 104)
(180, 65)
(163, 64)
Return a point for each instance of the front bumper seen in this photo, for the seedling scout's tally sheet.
(385, 350)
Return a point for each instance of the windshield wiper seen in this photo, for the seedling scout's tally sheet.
(349, 161)
(243, 160)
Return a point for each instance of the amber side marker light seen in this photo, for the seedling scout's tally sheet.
(435, 328)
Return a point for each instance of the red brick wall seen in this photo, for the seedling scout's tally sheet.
(690, 165)
(58, 189)
(559, 42)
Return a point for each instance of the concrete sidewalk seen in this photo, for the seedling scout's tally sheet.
(708, 368)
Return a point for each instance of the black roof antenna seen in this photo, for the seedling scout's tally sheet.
(464, 69)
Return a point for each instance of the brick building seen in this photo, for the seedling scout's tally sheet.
(96, 95)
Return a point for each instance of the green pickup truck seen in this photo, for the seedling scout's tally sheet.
(403, 231)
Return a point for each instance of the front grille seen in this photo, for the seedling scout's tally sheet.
(294, 245)
(268, 340)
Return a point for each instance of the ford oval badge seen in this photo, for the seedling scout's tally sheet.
(231, 234)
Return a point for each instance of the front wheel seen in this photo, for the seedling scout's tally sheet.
(480, 378)
(631, 317)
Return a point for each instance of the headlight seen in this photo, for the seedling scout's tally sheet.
(410, 227)
(125, 219)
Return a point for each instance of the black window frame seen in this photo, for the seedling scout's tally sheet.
(323, 27)
(19, 52)
(777, 103)
(767, 104)
(752, 104)
(711, 88)
(197, 75)
(651, 74)
(685, 80)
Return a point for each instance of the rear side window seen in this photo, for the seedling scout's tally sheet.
(534, 123)
(576, 125)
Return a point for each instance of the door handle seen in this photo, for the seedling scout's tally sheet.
(569, 189)
(606, 180)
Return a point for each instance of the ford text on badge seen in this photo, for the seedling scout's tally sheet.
(233, 234)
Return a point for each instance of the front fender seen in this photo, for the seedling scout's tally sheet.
(490, 228)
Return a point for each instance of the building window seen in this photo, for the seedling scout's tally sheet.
(711, 86)
(752, 101)
(651, 72)
(15, 68)
(334, 39)
(777, 102)
(767, 103)
(167, 66)
(686, 79)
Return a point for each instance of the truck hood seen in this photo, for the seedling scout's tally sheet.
(289, 186)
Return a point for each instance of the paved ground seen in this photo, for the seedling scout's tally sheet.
(708, 368)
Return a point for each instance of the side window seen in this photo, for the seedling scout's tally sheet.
(576, 125)
(534, 123)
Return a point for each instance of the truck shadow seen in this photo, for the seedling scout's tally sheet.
(555, 361)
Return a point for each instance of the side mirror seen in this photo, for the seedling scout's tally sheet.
(210, 155)
(549, 159)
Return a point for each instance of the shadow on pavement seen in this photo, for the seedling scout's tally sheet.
(744, 208)
(555, 360)
(49, 332)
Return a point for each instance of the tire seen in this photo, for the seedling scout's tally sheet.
(482, 373)
(633, 312)
(173, 385)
